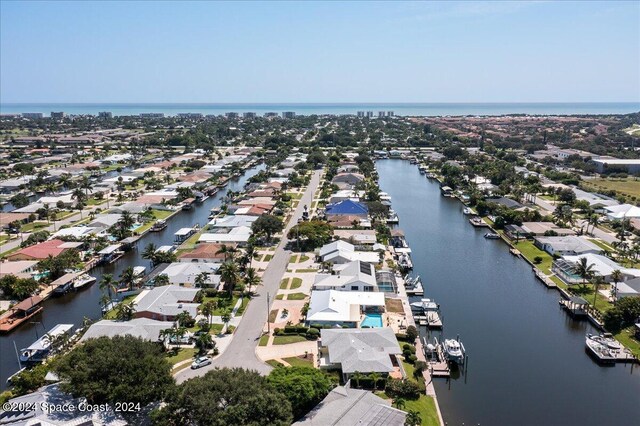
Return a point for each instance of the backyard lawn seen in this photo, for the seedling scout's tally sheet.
(300, 361)
(222, 303)
(286, 340)
(530, 251)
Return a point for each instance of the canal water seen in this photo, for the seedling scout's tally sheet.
(74, 306)
(527, 363)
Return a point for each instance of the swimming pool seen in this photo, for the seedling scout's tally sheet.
(372, 321)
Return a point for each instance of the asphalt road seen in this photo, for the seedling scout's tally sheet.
(242, 349)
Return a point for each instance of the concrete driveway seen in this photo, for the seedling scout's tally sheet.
(242, 349)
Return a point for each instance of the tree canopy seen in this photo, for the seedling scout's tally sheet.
(304, 387)
(118, 369)
(225, 397)
(267, 225)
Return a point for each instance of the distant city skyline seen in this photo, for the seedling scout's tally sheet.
(315, 52)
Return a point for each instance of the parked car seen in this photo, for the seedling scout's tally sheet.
(200, 362)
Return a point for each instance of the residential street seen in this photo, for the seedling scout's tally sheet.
(242, 349)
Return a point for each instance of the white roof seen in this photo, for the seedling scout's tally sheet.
(338, 306)
(109, 249)
(187, 272)
(337, 245)
(239, 234)
(233, 221)
(76, 231)
(364, 350)
(184, 231)
(144, 328)
(602, 264)
(623, 211)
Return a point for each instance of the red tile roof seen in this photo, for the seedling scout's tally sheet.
(40, 250)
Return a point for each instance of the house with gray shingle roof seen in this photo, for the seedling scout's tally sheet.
(363, 350)
(166, 302)
(146, 329)
(344, 406)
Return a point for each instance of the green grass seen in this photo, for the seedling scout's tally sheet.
(223, 303)
(264, 340)
(408, 368)
(626, 337)
(274, 363)
(182, 355)
(426, 406)
(629, 186)
(296, 283)
(296, 296)
(243, 306)
(601, 244)
(307, 270)
(280, 297)
(284, 284)
(127, 300)
(286, 340)
(267, 257)
(303, 258)
(34, 226)
(530, 251)
(300, 362)
(157, 214)
(94, 201)
(293, 258)
(8, 252)
(273, 315)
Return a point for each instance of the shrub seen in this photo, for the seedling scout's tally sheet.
(537, 260)
(404, 388)
(313, 334)
(412, 333)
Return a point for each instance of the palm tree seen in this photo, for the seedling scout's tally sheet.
(413, 419)
(226, 316)
(183, 318)
(400, 403)
(357, 376)
(616, 277)
(597, 282)
(108, 283)
(229, 275)
(204, 343)
(125, 311)
(229, 252)
(251, 278)
(126, 221)
(149, 253)
(128, 278)
(201, 279)
(79, 195)
(375, 377)
(160, 280)
(64, 180)
(584, 270)
(208, 309)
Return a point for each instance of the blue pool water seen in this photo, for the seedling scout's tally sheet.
(372, 321)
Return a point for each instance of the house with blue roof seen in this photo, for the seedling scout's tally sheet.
(347, 208)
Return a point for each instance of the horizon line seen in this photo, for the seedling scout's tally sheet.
(321, 103)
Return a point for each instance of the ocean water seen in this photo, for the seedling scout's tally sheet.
(402, 109)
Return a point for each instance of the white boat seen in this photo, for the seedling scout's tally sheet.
(492, 236)
(600, 350)
(159, 225)
(39, 350)
(425, 305)
(607, 340)
(454, 351)
(467, 210)
(83, 280)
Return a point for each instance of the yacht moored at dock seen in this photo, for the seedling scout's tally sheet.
(40, 349)
(83, 280)
(454, 351)
(478, 222)
(159, 225)
(492, 236)
(467, 211)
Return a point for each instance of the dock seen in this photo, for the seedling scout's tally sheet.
(431, 319)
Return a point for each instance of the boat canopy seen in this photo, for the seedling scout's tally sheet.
(110, 249)
(183, 232)
(27, 304)
(43, 342)
(66, 278)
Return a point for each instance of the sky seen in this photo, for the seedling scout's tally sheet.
(262, 52)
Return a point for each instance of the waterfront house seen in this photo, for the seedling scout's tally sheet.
(369, 350)
(602, 265)
(515, 232)
(19, 268)
(347, 208)
(144, 328)
(345, 194)
(534, 229)
(43, 250)
(352, 276)
(232, 221)
(166, 302)
(347, 180)
(566, 245)
(629, 288)
(506, 202)
(339, 252)
(204, 252)
(186, 273)
(239, 235)
(357, 236)
(342, 308)
(346, 406)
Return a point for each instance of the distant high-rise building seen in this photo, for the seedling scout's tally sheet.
(249, 115)
(232, 115)
(270, 114)
(390, 113)
(361, 114)
(380, 113)
(57, 115)
(105, 114)
(369, 114)
(32, 115)
(288, 114)
(152, 115)
(189, 115)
